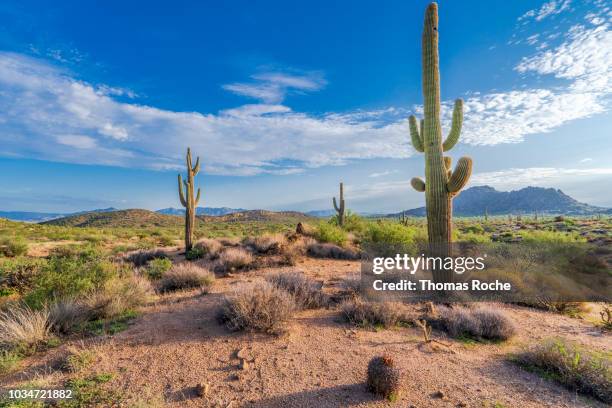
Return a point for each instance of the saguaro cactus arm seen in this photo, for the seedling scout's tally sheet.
(460, 176)
(181, 193)
(417, 138)
(335, 204)
(418, 184)
(197, 200)
(453, 135)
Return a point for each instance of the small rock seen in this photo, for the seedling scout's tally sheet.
(244, 365)
(202, 389)
(439, 394)
(462, 404)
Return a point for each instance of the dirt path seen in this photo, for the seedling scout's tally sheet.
(321, 362)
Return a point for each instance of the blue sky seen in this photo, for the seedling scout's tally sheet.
(282, 100)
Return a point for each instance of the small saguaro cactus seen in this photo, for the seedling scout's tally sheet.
(340, 209)
(441, 182)
(186, 188)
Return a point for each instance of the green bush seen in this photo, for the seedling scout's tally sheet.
(71, 274)
(17, 275)
(390, 236)
(157, 267)
(13, 246)
(327, 232)
(473, 238)
(550, 237)
(194, 253)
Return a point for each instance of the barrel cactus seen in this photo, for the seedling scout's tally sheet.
(384, 378)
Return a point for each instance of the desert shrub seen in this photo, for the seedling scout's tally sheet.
(13, 246)
(473, 229)
(384, 378)
(65, 315)
(266, 244)
(141, 257)
(371, 314)
(389, 236)
(194, 253)
(118, 296)
(156, 268)
(24, 327)
(71, 275)
(232, 259)
(327, 232)
(186, 276)
(19, 274)
(352, 222)
(549, 237)
(9, 359)
(328, 250)
(78, 359)
(210, 247)
(165, 240)
(306, 292)
(473, 238)
(259, 307)
(483, 323)
(571, 365)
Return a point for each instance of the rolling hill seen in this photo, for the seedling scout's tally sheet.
(476, 200)
(215, 211)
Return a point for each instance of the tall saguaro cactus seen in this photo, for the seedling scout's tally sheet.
(441, 182)
(340, 209)
(188, 200)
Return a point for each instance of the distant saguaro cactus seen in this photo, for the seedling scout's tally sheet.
(340, 209)
(187, 199)
(441, 182)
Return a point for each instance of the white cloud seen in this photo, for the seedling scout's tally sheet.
(272, 87)
(535, 176)
(382, 173)
(586, 160)
(80, 142)
(547, 9)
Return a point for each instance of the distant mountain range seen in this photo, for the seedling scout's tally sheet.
(475, 201)
(212, 211)
(471, 202)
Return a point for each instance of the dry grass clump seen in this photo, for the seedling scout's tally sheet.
(572, 366)
(259, 307)
(482, 323)
(266, 244)
(141, 257)
(232, 259)
(306, 291)
(384, 378)
(186, 276)
(210, 248)
(371, 314)
(118, 296)
(78, 358)
(65, 315)
(24, 327)
(328, 250)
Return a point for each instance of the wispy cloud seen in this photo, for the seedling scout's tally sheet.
(272, 87)
(547, 9)
(382, 173)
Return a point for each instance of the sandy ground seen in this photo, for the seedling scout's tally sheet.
(320, 362)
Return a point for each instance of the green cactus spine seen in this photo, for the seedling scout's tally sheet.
(441, 182)
(186, 188)
(340, 208)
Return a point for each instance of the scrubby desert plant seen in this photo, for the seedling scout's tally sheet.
(328, 250)
(306, 291)
(186, 276)
(210, 247)
(24, 327)
(65, 315)
(156, 268)
(259, 307)
(13, 246)
(232, 259)
(78, 358)
(606, 317)
(371, 314)
(482, 323)
(119, 296)
(266, 244)
(327, 232)
(143, 256)
(384, 378)
(571, 365)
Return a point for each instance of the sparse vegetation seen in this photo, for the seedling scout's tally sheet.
(157, 267)
(266, 244)
(13, 246)
(306, 292)
(142, 257)
(480, 323)
(24, 327)
(326, 232)
(186, 276)
(260, 307)
(210, 248)
(332, 251)
(233, 259)
(570, 364)
(371, 314)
